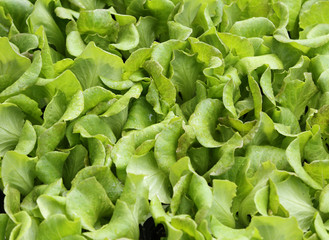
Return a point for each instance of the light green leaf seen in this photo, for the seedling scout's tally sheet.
(274, 227)
(294, 159)
(156, 180)
(73, 164)
(51, 205)
(140, 116)
(18, 171)
(42, 16)
(266, 85)
(27, 140)
(94, 95)
(256, 96)
(88, 201)
(94, 62)
(324, 198)
(320, 229)
(204, 121)
(88, 4)
(97, 152)
(165, 87)
(50, 138)
(253, 27)
(11, 126)
(178, 31)
(134, 92)
(123, 224)
(222, 232)
(166, 144)
(186, 71)
(223, 193)
(228, 97)
(128, 37)
(11, 201)
(58, 226)
(248, 64)
(12, 64)
(318, 170)
(309, 16)
(104, 176)
(25, 41)
(92, 126)
(294, 197)
(238, 45)
(74, 43)
(27, 227)
(49, 167)
(27, 80)
(97, 21)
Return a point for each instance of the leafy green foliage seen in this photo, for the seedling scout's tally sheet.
(210, 116)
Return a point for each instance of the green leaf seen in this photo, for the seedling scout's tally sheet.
(12, 64)
(239, 45)
(296, 94)
(259, 154)
(88, 4)
(104, 176)
(122, 224)
(166, 144)
(96, 21)
(140, 116)
(294, 197)
(178, 31)
(204, 120)
(18, 171)
(228, 97)
(248, 64)
(27, 140)
(223, 193)
(88, 201)
(49, 167)
(42, 16)
(51, 205)
(73, 164)
(128, 37)
(156, 180)
(50, 138)
(165, 87)
(222, 232)
(67, 82)
(58, 226)
(27, 227)
(18, 10)
(308, 16)
(266, 85)
(92, 126)
(94, 95)
(134, 92)
(324, 196)
(186, 70)
(253, 27)
(294, 159)
(27, 80)
(11, 202)
(25, 41)
(74, 43)
(11, 122)
(318, 171)
(320, 229)
(274, 227)
(94, 62)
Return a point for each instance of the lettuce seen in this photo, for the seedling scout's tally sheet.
(143, 119)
